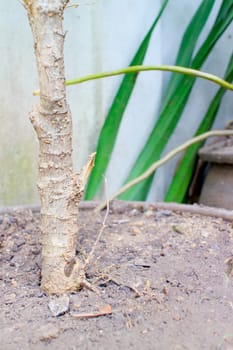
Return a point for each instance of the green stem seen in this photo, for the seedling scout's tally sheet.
(135, 69)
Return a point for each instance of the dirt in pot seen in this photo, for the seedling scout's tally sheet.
(163, 281)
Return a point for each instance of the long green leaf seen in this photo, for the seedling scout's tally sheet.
(110, 128)
(183, 175)
(172, 112)
(188, 43)
(223, 20)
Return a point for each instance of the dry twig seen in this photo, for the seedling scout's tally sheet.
(163, 160)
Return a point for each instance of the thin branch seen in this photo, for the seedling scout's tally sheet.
(135, 69)
(78, 5)
(101, 230)
(163, 160)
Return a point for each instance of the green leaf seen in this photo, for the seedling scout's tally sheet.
(188, 43)
(183, 175)
(223, 19)
(112, 122)
(172, 111)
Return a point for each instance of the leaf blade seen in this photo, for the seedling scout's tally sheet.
(112, 122)
(183, 175)
(188, 43)
(172, 111)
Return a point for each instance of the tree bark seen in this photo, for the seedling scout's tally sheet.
(59, 188)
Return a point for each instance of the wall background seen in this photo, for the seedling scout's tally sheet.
(101, 35)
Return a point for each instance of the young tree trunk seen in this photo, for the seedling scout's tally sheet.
(60, 189)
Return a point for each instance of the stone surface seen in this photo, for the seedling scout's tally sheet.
(58, 305)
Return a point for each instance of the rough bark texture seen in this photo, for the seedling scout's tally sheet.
(60, 189)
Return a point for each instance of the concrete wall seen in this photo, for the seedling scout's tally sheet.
(101, 35)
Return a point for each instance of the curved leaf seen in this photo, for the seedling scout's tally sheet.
(188, 43)
(172, 112)
(183, 175)
(112, 122)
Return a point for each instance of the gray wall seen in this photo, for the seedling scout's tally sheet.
(101, 35)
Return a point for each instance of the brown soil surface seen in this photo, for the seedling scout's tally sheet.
(162, 273)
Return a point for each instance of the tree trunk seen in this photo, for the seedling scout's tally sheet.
(59, 188)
